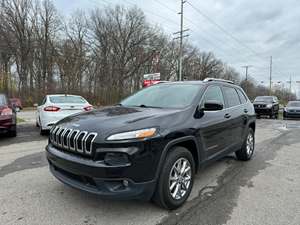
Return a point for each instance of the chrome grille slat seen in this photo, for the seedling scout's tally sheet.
(67, 137)
(80, 148)
(53, 134)
(73, 141)
(89, 150)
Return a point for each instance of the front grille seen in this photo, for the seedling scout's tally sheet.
(260, 106)
(73, 140)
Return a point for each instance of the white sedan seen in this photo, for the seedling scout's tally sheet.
(57, 107)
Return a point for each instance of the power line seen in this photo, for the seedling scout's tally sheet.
(223, 29)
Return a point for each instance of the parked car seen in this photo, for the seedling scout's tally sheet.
(8, 118)
(16, 102)
(151, 144)
(56, 107)
(266, 105)
(292, 110)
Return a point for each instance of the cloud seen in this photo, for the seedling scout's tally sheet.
(267, 27)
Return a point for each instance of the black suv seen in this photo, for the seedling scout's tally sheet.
(266, 105)
(151, 144)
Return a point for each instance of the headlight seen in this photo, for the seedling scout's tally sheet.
(137, 134)
(269, 106)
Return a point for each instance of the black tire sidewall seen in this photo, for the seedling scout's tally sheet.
(242, 153)
(173, 156)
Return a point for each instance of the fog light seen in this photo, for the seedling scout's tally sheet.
(116, 159)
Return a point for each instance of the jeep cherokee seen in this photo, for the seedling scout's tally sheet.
(151, 144)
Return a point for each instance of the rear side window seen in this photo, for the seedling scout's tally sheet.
(242, 96)
(213, 93)
(3, 100)
(231, 96)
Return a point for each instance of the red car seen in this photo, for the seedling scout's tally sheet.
(16, 102)
(8, 118)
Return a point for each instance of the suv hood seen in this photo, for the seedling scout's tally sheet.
(120, 119)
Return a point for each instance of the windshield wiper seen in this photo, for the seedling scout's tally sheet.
(148, 106)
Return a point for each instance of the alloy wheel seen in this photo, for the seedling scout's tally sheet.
(180, 178)
(250, 144)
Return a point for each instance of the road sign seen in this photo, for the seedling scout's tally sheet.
(152, 76)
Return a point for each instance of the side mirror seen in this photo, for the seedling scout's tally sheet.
(213, 106)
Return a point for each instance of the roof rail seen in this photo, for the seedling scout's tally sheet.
(216, 79)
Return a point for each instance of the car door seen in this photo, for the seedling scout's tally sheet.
(213, 125)
(234, 112)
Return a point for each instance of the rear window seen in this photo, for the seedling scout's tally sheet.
(293, 104)
(67, 99)
(231, 97)
(242, 96)
(3, 100)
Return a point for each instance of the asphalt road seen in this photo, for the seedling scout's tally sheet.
(265, 190)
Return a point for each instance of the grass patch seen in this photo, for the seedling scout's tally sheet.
(20, 120)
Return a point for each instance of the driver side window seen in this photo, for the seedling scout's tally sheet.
(213, 93)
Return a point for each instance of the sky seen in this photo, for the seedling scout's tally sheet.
(239, 32)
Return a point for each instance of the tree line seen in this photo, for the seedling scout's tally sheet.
(101, 55)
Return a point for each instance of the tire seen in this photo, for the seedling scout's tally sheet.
(247, 150)
(163, 195)
(43, 132)
(12, 132)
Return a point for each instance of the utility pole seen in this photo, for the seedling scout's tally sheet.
(271, 75)
(181, 36)
(290, 94)
(246, 77)
(247, 67)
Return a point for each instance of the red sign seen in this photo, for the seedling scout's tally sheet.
(147, 83)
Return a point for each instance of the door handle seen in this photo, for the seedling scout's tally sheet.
(246, 110)
(227, 115)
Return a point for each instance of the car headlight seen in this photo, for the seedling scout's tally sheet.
(137, 134)
(269, 106)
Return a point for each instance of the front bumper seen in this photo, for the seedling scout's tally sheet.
(263, 111)
(291, 115)
(96, 177)
(6, 123)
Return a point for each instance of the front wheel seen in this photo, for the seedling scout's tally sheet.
(12, 132)
(176, 179)
(247, 150)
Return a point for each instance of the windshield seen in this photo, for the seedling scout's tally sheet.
(164, 96)
(293, 104)
(67, 99)
(263, 99)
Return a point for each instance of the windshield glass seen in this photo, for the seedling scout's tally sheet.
(293, 104)
(164, 96)
(263, 99)
(67, 99)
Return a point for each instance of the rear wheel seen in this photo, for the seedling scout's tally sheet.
(176, 179)
(246, 152)
(42, 131)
